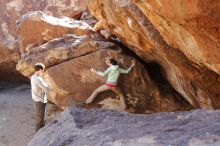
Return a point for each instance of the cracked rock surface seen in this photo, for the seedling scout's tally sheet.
(100, 127)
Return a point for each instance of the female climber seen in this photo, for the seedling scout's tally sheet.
(113, 73)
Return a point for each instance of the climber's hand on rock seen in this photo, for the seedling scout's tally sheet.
(93, 70)
(133, 63)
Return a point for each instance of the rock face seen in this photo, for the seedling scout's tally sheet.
(36, 28)
(110, 128)
(68, 61)
(7, 63)
(10, 11)
(181, 37)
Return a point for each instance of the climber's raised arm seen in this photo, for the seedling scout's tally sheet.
(99, 72)
(126, 71)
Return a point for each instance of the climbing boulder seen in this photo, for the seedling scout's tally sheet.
(68, 61)
(180, 37)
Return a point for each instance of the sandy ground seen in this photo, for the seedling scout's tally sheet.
(16, 114)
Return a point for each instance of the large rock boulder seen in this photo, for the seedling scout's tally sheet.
(79, 127)
(36, 28)
(180, 36)
(68, 61)
(60, 50)
(10, 12)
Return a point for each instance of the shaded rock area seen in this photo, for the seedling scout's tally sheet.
(7, 65)
(81, 127)
(10, 12)
(180, 37)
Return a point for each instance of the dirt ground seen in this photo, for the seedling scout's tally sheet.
(16, 114)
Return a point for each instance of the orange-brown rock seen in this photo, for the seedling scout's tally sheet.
(181, 36)
(88, 18)
(68, 61)
(60, 50)
(7, 65)
(36, 28)
(10, 12)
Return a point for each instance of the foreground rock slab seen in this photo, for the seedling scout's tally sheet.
(98, 127)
